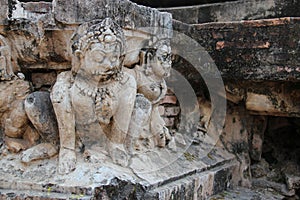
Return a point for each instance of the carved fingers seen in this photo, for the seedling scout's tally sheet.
(40, 151)
(67, 161)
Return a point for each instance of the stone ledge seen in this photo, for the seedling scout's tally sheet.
(259, 50)
(234, 11)
(212, 173)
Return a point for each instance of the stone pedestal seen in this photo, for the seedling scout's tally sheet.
(190, 176)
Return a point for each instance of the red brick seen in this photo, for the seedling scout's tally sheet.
(220, 45)
(169, 100)
(169, 92)
(172, 111)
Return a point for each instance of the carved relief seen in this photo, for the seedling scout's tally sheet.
(151, 87)
(26, 119)
(100, 108)
(97, 99)
(6, 71)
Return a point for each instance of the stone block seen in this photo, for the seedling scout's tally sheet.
(252, 46)
(38, 7)
(127, 14)
(292, 181)
(170, 121)
(234, 11)
(43, 79)
(196, 180)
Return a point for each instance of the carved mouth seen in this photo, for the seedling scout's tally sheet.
(101, 73)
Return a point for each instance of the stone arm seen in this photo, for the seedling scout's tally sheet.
(163, 92)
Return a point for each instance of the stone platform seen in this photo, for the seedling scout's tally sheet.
(189, 176)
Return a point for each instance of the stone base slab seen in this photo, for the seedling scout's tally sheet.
(188, 177)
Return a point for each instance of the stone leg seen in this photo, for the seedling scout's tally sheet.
(16, 127)
(122, 116)
(158, 128)
(60, 97)
(121, 121)
(139, 137)
(39, 110)
(16, 122)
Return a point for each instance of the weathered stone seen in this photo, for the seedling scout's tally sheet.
(31, 135)
(102, 93)
(6, 70)
(260, 169)
(281, 188)
(274, 104)
(40, 36)
(233, 11)
(246, 193)
(235, 139)
(15, 145)
(4, 12)
(129, 15)
(40, 151)
(161, 110)
(174, 3)
(254, 47)
(172, 111)
(16, 122)
(38, 7)
(256, 127)
(39, 110)
(191, 180)
(43, 79)
(293, 182)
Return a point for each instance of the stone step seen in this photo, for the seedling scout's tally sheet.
(198, 186)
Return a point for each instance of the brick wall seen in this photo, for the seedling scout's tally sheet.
(169, 109)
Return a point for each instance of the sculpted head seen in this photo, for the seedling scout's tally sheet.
(160, 63)
(101, 49)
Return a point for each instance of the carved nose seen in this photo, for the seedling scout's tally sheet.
(107, 67)
(106, 64)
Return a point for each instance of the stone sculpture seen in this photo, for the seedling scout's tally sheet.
(96, 103)
(27, 119)
(13, 91)
(101, 109)
(95, 100)
(147, 128)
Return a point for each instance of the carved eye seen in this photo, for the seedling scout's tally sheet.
(165, 56)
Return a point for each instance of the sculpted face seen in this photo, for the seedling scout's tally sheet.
(163, 66)
(102, 60)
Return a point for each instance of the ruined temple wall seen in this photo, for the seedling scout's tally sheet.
(234, 11)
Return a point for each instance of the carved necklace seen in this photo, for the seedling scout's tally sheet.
(103, 96)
